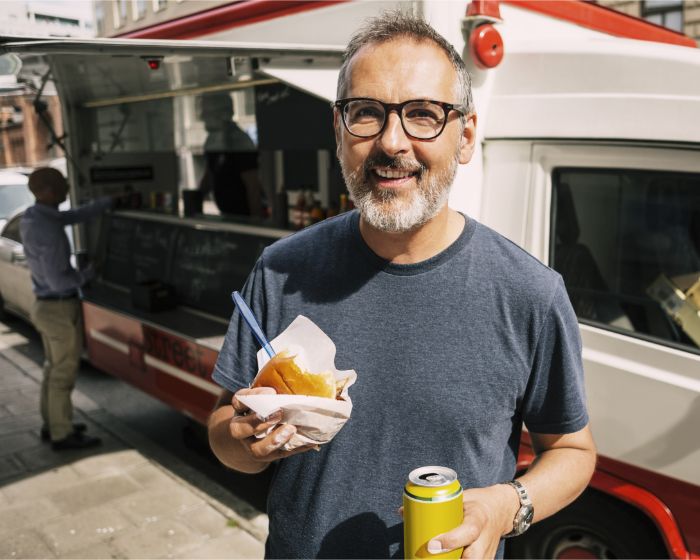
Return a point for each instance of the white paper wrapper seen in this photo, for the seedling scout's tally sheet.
(316, 419)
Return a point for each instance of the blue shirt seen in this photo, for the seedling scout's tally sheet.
(47, 248)
(453, 355)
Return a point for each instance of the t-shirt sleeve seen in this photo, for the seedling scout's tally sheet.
(555, 400)
(237, 363)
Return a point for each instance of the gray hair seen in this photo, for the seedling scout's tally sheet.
(396, 24)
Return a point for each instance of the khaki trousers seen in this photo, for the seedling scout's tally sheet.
(60, 325)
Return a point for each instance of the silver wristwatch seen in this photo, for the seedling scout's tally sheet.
(523, 517)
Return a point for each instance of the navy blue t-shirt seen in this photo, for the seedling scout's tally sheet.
(452, 354)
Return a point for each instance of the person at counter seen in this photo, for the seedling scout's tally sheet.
(56, 313)
(457, 335)
(231, 160)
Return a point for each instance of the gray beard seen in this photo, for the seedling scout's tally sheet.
(390, 211)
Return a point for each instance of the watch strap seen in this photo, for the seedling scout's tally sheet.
(525, 503)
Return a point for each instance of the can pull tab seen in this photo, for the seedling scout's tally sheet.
(433, 478)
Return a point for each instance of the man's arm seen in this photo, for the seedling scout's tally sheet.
(87, 211)
(232, 430)
(558, 475)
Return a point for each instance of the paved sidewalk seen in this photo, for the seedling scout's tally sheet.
(121, 500)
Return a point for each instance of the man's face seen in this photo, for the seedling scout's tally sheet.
(59, 191)
(53, 191)
(397, 182)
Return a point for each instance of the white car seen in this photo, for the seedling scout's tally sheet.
(16, 295)
(14, 194)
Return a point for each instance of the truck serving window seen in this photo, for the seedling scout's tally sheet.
(627, 243)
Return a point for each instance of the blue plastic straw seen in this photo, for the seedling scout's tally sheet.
(252, 323)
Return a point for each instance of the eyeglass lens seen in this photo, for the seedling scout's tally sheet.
(421, 119)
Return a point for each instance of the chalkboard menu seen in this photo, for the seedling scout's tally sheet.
(137, 251)
(152, 244)
(203, 266)
(117, 256)
(208, 265)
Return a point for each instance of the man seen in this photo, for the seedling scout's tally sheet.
(56, 312)
(231, 171)
(457, 335)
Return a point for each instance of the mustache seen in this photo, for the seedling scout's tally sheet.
(403, 163)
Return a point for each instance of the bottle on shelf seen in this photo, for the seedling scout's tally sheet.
(299, 209)
(317, 213)
(306, 214)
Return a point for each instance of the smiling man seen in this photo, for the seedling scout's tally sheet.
(458, 336)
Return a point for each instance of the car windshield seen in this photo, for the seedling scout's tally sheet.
(13, 197)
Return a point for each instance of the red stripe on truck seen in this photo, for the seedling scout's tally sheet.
(604, 19)
(225, 17)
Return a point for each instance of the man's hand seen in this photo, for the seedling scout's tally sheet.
(232, 434)
(560, 472)
(488, 515)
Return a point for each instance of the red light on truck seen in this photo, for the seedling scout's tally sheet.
(153, 63)
(486, 46)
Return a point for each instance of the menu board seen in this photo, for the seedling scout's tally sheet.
(203, 266)
(117, 257)
(208, 265)
(151, 244)
(137, 251)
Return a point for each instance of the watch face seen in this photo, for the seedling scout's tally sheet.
(529, 514)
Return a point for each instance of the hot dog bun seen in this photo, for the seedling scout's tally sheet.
(283, 374)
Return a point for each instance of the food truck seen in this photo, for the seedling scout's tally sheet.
(588, 156)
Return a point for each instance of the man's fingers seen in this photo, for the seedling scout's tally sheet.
(243, 427)
(459, 537)
(302, 449)
(268, 448)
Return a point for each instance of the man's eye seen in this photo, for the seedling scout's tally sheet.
(423, 114)
(366, 112)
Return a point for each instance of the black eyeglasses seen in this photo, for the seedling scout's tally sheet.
(422, 119)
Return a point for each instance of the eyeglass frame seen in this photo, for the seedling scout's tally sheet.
(398, 107)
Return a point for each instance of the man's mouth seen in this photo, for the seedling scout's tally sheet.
(390, 177)
(389, 173)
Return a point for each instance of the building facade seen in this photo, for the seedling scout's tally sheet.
(25, 136)
(116, 17)
(119, 17)
(680, 15)
(57, 19)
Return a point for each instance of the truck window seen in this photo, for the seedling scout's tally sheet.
(246, 155)
(627, 243)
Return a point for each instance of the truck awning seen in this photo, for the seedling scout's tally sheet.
(102, 72)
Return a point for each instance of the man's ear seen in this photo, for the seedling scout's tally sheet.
(467, 139)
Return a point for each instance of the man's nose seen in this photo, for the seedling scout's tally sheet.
(393, 139)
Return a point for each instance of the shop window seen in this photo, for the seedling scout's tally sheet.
(119, 13)
(627, 243)
(139, 9)
(99, 18)
(668, 13)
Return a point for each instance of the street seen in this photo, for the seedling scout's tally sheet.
(162, 426)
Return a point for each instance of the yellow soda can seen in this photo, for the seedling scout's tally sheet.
(432, 504)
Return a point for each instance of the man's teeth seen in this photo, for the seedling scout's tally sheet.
(393, 173)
